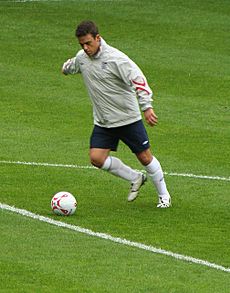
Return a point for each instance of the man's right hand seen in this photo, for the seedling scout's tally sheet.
(66, 66)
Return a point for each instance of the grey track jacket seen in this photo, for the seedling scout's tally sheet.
(115, 85)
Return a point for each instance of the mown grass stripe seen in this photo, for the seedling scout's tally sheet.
(114, 239)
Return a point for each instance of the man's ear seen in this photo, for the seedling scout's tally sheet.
(98, 38)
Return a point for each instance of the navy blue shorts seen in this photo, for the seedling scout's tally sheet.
(133, 135)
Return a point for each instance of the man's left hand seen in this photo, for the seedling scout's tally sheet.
(150, 117)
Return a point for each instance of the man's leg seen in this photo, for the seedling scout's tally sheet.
(154, 170)
(101, 159)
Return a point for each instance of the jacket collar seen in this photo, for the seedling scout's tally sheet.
(101, 49)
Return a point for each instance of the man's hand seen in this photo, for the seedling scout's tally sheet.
(150, 117)
(66, 66)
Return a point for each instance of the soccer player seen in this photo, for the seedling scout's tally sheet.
(119, 91)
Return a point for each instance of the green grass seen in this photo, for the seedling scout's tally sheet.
(183, 48)
(50, 263)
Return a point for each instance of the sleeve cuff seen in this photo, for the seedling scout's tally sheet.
(146, 106)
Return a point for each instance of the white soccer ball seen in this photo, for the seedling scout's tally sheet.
(64, 203)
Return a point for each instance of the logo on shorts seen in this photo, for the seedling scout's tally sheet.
(145, 142)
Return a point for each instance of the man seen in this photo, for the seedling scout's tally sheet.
(117, 88)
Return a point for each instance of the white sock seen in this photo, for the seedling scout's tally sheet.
(117, 168)
(155, 172)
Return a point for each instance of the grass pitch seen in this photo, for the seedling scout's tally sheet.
(182, 47)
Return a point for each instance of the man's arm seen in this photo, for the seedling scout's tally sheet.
(132, 75)
(143, 91)
(144, 95)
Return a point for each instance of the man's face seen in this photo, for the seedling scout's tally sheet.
(90, 44)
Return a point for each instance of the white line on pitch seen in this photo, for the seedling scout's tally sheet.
(114, 239)
(91, 167)
(47, 164)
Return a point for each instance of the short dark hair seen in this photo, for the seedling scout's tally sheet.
(86, 27)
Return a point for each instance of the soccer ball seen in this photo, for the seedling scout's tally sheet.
(64, 203)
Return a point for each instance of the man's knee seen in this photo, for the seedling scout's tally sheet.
(145, 157)
(96, 161)
(98, 157)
